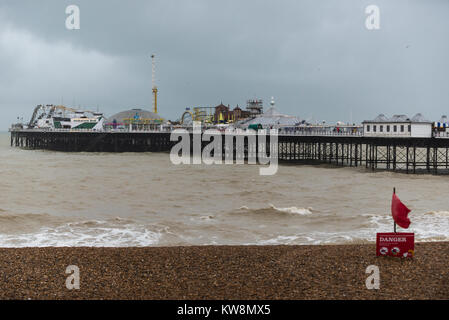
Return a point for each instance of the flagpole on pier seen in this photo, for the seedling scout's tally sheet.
(394, 192)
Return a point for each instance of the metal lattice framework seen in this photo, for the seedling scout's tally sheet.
(409, 155)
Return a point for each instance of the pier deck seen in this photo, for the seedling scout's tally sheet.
(409, 155)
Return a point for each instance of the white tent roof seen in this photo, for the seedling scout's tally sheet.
(398, 118)
(419, 118)
(272, 117)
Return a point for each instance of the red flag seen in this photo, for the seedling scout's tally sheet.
(400, 212)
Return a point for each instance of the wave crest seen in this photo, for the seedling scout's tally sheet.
(293, 210)
(438, 213)
(271, 209)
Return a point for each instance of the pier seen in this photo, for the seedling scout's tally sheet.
(409, 155)
(91, 141)
(399, 154)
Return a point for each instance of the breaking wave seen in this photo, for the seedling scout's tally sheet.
(271, 209)
(438, 213)
(427, 228)
(293, 210)
(264, 226)
(90, 233)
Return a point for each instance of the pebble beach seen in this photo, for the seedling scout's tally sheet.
(223, 272)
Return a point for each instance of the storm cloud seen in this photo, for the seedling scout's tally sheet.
(315, 57)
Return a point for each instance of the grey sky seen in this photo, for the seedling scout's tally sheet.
(315, 57)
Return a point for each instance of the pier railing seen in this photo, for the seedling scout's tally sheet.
(88, 130)
(238, 131)
(321, 133)
(441, 135)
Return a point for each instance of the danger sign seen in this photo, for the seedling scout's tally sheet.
(395, 244)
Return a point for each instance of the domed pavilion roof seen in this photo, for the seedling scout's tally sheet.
(134, 114)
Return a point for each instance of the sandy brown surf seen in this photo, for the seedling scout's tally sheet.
(224, 272)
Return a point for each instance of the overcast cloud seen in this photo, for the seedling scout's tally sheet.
(315, 57)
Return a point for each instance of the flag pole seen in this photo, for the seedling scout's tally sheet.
(394, 192)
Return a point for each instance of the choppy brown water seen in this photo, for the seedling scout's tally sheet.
(98, 199)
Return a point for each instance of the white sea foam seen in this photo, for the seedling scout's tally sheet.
(121, 232)
(293, 210)
(438, 213)
(427, 228)
(207, 218)
(87, 233)
(292, 239)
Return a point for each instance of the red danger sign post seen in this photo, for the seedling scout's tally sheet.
(395, 244)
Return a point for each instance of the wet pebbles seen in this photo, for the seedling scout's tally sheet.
(224, 272)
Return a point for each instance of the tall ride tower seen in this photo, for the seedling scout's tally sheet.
(153, 70)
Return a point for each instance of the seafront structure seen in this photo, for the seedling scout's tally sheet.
(403, 154)
(272, 118)
(51, 116)
(224, 114)
(411, 145)
(134, 119)
(398, 126)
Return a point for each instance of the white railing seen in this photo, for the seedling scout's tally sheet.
(441, 135)
(84, 130)
(168, 130)
(322, 133)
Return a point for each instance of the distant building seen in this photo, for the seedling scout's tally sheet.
(442, 124)
(398, 126)
(272, 118)
(224, 114)
(441, 127)
(137, 119)
(240, 114)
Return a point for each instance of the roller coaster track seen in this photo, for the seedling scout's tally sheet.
(52, 110)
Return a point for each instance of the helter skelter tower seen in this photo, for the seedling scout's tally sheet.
(153, 79)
